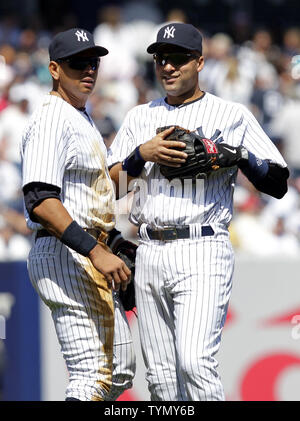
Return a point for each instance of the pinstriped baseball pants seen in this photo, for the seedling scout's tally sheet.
(182, 290)
(90, 323)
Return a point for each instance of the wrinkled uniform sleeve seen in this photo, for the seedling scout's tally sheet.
(47, 148)
(124, 142)
(256, 140)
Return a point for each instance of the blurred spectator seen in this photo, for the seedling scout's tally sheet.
(14, 236)
(40, 61)
(119, 66)
(135, 10)
(117, 98)
(286, 125)
(9, 29)
(107, 130)
(262, 45)
(253, 229)
(279, 217)
(251, 237)
(103, 122)
(281, 209)
(240, 24)
(112, 32)
(255, 56)
(232, 85)
(140, 19)
(145, 91)
(216, 65)
(12, 122)
(27, 41)
(291, 41)
(224, 73)
(10, 191)
(23, 65)
(7, 73)
(266, 100)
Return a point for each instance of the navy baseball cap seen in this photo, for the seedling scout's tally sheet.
(73, 41)
(182, 34)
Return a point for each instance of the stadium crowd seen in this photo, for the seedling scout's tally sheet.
(261, 74)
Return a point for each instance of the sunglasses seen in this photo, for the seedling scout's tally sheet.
(175, 59)
(81, 63)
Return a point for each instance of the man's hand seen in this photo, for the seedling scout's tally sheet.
(159, 150)
(112, 267)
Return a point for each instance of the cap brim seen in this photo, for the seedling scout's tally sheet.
(156, 45)
(153, 47)
(100, 51)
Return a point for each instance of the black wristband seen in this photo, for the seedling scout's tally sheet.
(134, 163)
(77, 239)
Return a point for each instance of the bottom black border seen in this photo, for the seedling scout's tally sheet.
(135, 410)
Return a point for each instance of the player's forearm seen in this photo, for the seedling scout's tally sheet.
(266, 176)
(57, 221)
(116, 171)
(54, 217)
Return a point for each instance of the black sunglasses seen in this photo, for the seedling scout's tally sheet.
(176, 59)
(81, 63)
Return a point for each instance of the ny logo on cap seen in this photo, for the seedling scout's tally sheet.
(169, 32)
(81, 35)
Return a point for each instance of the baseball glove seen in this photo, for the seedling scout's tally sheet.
(202, 155)
(127, 254)
(125, 250)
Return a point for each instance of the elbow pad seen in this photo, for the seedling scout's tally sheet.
(275, 181)
(35, 193)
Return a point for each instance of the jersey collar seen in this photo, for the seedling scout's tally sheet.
(185, 103)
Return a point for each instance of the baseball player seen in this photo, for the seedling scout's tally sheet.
(185, 261)
(69, 200)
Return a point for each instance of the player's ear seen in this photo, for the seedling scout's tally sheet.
(54, 69)
(200, 63)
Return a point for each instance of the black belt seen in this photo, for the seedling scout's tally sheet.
(175, 233)
(97, 233)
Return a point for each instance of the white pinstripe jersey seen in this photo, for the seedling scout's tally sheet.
(62, 146)
(163, 204)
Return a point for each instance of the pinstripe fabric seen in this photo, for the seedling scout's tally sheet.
(210, 202)
(183, 289)
(82, 308)
(183, 286)
(61, 146)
